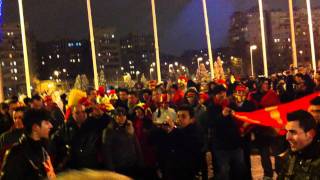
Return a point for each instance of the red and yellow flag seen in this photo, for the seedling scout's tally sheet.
(275, 116)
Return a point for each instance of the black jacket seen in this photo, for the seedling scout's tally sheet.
(121, 149)
(183, 152)
(304, 164)
(221, 132)
(25, 161)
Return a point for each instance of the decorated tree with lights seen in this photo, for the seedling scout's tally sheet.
(84, 82)
(202, 74)
(218, 69)
(81, 82)
(77, 83)
(144, 80)
(102, 80)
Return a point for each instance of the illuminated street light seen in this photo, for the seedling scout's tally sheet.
(56, 73)
(93, 49)
(313, 56)
(151, 71)
(156, 43)
(198, 61)
(25, 49)
(263, 39)
(293, 36)
(205, 13)
(176, 63)
(253, 47)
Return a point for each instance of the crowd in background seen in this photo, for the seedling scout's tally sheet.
(172, 130)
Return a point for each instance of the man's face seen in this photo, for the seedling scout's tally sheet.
(297, 137)
(191, 97)
(17, 119)
(139, 112)
(92, 95)
(132, 99)
(44, 129)
(12, 107)
(123, 96)
(184, 118)
(314, 110)
(121, 119)
(79, 114)
(37, 104)
(221, 96)
(265, 86)
(156, 96)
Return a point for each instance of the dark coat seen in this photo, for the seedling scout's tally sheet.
(183, 152)
(25, 161)
(121, 149)
(221, 132)
(304, 164)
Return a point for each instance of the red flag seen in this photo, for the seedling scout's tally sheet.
(275, 116)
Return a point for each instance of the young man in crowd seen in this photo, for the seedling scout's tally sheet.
(302, 160)
(30, 159)
(182, 146)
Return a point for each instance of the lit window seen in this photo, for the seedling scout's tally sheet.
(2, 63)
(50, 57)
(64, 70)
(58, 56)
(14, 63)
(15, 78)
(78, 59)
(43, 63)
(15, 70)
(112, 35)
(10, 55)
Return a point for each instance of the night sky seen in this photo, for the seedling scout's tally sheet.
(180, 22)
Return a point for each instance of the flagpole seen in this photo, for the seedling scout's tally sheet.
(25, 49)
(205, 13)
(263, 38)
(93, 49)
(314, 66)
(156, 42)
(293, 36)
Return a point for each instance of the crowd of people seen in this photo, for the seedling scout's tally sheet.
(172, 131)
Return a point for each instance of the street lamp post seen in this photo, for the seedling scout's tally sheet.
(93, 49)
(156, 43)
(293, 36)
(313, 56)
(253, 47)
(263, 39)
(205, 13)
(25, 49)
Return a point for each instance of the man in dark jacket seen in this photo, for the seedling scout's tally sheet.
(183, 146)
(223, 137)
(120, 147)
(29, 159)
(302, 160)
